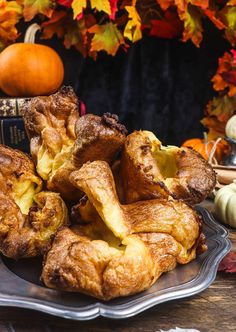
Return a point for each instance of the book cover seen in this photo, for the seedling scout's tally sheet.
(12, 107)
(12, 133)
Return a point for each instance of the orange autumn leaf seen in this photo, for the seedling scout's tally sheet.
(216, 127)
(165, 4)
(225, 77)
(10, 13)
(34, 7)
(190, 13)
(74, 32)
(55, 25)
(222, 107)
(106, 37)
(76, 35)
(231, 3)
(217, 113)
(211, 14)
(200, 3)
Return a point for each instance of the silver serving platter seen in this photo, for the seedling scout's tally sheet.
(20, 283)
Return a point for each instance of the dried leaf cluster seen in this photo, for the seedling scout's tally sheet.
(95, 25)
(222, 107)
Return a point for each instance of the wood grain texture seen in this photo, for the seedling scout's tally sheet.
(210, 311)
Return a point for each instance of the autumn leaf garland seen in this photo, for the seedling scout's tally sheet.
(106, 25)
(92, 26)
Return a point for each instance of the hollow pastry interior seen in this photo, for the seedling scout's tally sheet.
(30, 217)
(150, 170)
(118, 250)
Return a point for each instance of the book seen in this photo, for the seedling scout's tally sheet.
(12, 129)
(12, 133)
(12, 107)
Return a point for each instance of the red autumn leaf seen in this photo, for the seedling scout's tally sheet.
(113, 4)
(229, 77)
(234, 55)
(82, 108)
(228, 263)
(65, 3)
(168, 27)
(225, 75)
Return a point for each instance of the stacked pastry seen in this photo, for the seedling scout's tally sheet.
(129, 198)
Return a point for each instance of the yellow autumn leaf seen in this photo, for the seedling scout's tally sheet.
(106, 37)
(12, 6)
(77, 6)
(229, 16)
(101, 5)
(133, 27)
(193, 26)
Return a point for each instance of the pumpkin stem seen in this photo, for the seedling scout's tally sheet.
(205, 137)
(205, 141)
(30, 33)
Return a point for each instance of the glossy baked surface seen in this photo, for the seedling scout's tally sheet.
(20, 286)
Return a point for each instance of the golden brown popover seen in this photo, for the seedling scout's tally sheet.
(50, 125)
(29, 217)
(126, 247)
(149, 170)
(61, 142)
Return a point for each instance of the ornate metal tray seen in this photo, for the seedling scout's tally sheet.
(20, 285)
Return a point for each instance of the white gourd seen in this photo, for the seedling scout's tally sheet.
(230, 129)
(225, 204)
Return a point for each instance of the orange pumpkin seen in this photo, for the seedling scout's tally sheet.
(204, 147)
(29, 69)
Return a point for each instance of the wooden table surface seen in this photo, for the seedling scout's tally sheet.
(212, 310)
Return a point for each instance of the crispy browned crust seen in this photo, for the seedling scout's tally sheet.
(78, 263)
(50, 125)
(16, 166)
(98, 138)
(138, 169)
(125, 248)
(59, 111)
(195, 179)
(61, 142)
(142, 178)
(29, 218)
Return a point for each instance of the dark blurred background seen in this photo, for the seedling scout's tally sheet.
(158, 85)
